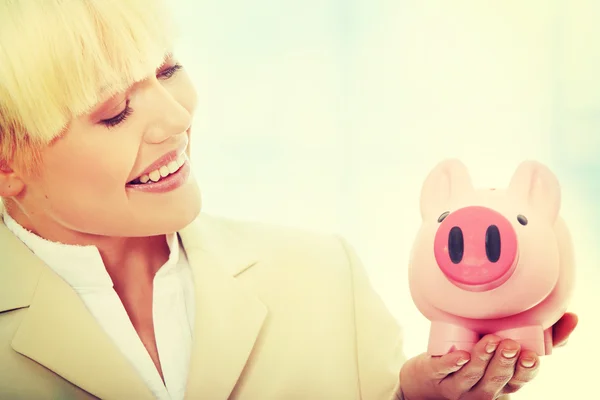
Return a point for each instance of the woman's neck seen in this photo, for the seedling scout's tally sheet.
(129, 261)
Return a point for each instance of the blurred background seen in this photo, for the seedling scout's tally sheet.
(328, 115)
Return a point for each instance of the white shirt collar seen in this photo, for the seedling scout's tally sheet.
(80, 266)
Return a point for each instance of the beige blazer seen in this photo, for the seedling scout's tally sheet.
(281, 314)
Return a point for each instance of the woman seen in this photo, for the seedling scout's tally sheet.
(114, 285)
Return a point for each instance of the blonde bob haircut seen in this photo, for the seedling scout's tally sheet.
(59, 58)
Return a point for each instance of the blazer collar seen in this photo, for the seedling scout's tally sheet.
(58, 331)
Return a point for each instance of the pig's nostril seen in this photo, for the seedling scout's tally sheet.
(456, 245)
(492, 243)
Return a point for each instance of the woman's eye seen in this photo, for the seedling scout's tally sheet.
(118, 119)
(169, 72)
(122, 116)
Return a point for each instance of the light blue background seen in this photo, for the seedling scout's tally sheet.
(328, 114)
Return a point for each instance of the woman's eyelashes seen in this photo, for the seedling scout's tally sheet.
(169, 72)
(165, 74)
(117, 119)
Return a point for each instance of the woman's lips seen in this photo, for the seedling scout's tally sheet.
(166, 184)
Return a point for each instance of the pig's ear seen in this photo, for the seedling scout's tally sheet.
(447, 179)
(538, 186)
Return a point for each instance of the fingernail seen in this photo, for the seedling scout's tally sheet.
(491, 347)
(509, 353)
(527, 362)
(462, 361)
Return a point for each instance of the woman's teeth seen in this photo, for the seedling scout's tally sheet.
(163, 171)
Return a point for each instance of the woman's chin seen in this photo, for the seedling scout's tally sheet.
(188, 214)
(183, 215)
(169, 218)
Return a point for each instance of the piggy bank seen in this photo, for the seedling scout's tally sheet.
(488, 261)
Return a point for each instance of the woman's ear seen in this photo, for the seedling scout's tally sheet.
(11, 183)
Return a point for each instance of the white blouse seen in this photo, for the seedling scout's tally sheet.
(173, 306)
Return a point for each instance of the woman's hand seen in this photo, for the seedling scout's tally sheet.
(494, 368)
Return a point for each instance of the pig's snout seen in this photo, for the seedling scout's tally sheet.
(476, 248)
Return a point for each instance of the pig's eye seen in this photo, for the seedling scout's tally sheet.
(522, 219)
(443, 216)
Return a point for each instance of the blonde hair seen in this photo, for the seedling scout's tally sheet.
(59, 58)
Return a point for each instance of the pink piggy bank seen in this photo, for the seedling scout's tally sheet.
(491, 261)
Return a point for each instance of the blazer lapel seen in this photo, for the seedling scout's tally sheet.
(228, 316)
(59, 333)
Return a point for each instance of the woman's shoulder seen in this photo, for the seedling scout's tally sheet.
(277, 243)
(256, 230)
(19, 271)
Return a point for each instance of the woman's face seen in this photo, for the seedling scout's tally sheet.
(84, 185)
